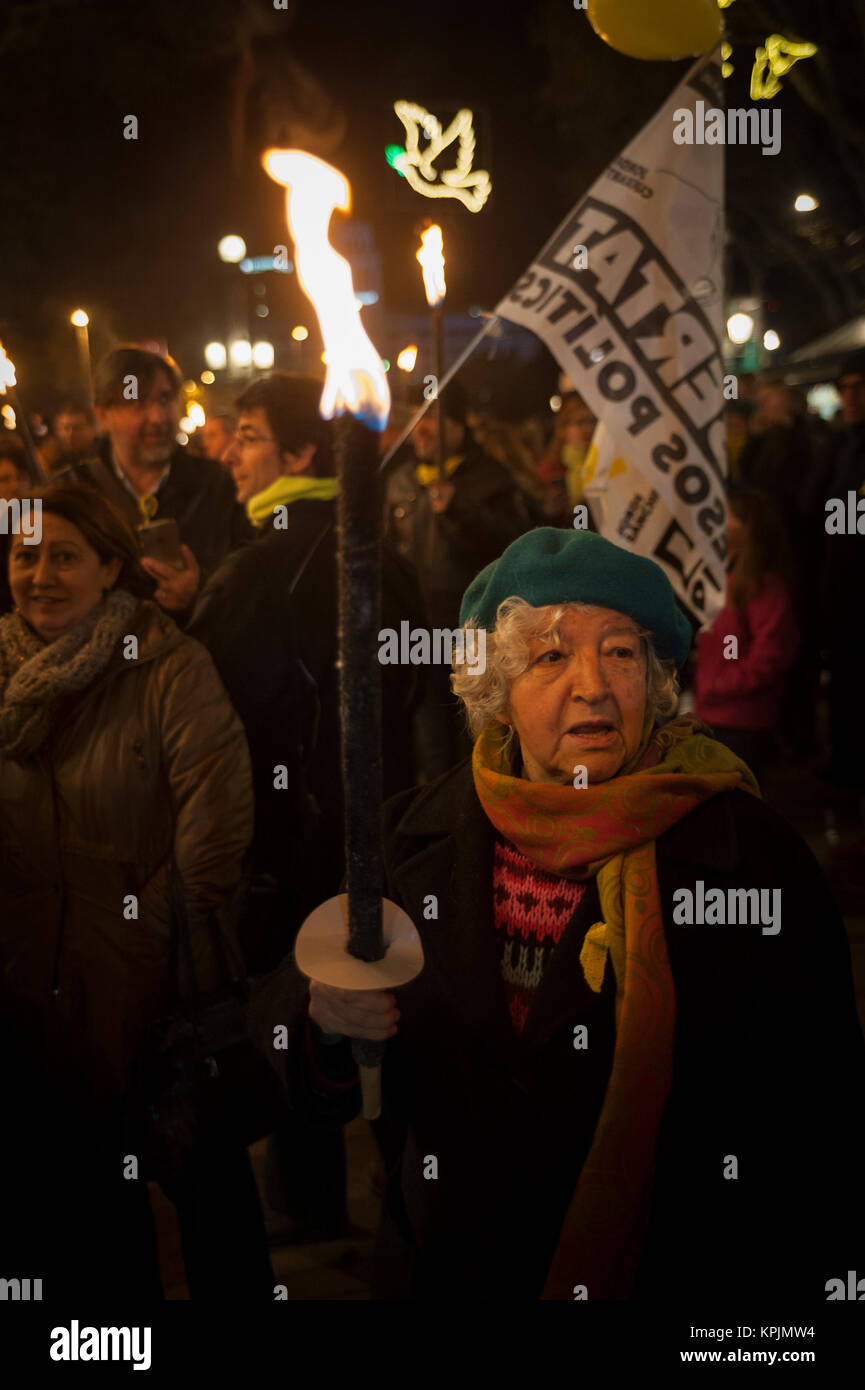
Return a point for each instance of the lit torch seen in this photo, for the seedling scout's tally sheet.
(357, 940)
(8, 383)
(432, 263)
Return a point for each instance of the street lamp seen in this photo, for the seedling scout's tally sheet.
(240, 353)
(299, 333)
(262, 354)
(215, 356)
(739, 328)
(232, 249)
(806, 203)
(80, 320)
(771, 340)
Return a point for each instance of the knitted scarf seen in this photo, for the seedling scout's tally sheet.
(34, 674)
(610, 830)
(287, 488)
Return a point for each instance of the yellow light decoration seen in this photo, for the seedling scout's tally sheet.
(196, 414)
(471, 186)
(299, 333)
(7, 371)
(355, 380)
(8, 417)
(432, 263)
(80, 318)
(775, 60)
(208, 378)
(407, 358)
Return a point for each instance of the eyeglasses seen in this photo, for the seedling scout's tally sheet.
(243, 439)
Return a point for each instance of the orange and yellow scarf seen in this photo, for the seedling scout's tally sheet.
(610, 830)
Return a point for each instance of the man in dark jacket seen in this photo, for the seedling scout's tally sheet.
(141, 468)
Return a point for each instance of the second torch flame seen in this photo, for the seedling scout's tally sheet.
(432, 263)
(355, 381)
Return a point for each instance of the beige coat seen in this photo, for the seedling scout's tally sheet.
(148, 763)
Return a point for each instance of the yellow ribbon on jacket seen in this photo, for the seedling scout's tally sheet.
(428, 473)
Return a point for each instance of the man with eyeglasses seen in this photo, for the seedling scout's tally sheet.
(844, 587)
(139, 465)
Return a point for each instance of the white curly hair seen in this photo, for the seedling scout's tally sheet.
(486, 694)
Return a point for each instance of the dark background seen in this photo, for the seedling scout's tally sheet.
(128, 228)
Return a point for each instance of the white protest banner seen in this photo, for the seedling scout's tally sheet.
(628, 296)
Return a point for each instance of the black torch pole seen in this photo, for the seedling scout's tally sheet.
(359, 522)
(439, 358)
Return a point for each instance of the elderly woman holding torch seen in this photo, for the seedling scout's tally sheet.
(628, 1066)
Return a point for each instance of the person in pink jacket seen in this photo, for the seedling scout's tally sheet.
(744, 659)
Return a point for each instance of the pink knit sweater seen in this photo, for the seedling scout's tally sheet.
(745, 692)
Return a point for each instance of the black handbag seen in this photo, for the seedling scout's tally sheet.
(200, 1081)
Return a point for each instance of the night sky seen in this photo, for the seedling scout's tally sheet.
(129, 228)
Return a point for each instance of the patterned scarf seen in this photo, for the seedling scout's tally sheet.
(34, 674)
(610, 830)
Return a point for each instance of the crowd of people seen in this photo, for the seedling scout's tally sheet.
(171, 810)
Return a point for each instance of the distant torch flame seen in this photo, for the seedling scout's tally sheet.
(432, 262)
(355, 380)
(7, 371)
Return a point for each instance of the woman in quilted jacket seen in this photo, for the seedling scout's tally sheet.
(123, 768)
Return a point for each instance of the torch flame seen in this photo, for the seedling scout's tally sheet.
(7, 371)
(432, 262)
(355, 380)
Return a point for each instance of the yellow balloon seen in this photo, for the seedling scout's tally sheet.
(657, 28)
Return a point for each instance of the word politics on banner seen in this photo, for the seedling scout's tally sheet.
(626, 296)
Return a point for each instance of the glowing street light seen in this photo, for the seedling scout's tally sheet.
(262, 354)
(215, 356)
(80, 318)
(231, 249)
(771, 341)
(407, 358)
(299, 333)
(739, 328)
(207, 378)
(240, 353)
(806, 203)
(195, 413)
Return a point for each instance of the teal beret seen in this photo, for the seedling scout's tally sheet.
(549, 565)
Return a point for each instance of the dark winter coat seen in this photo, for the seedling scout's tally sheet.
(198, 494)
(275, 645)
(147, 765)
(769, 1066)
(487, 512)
